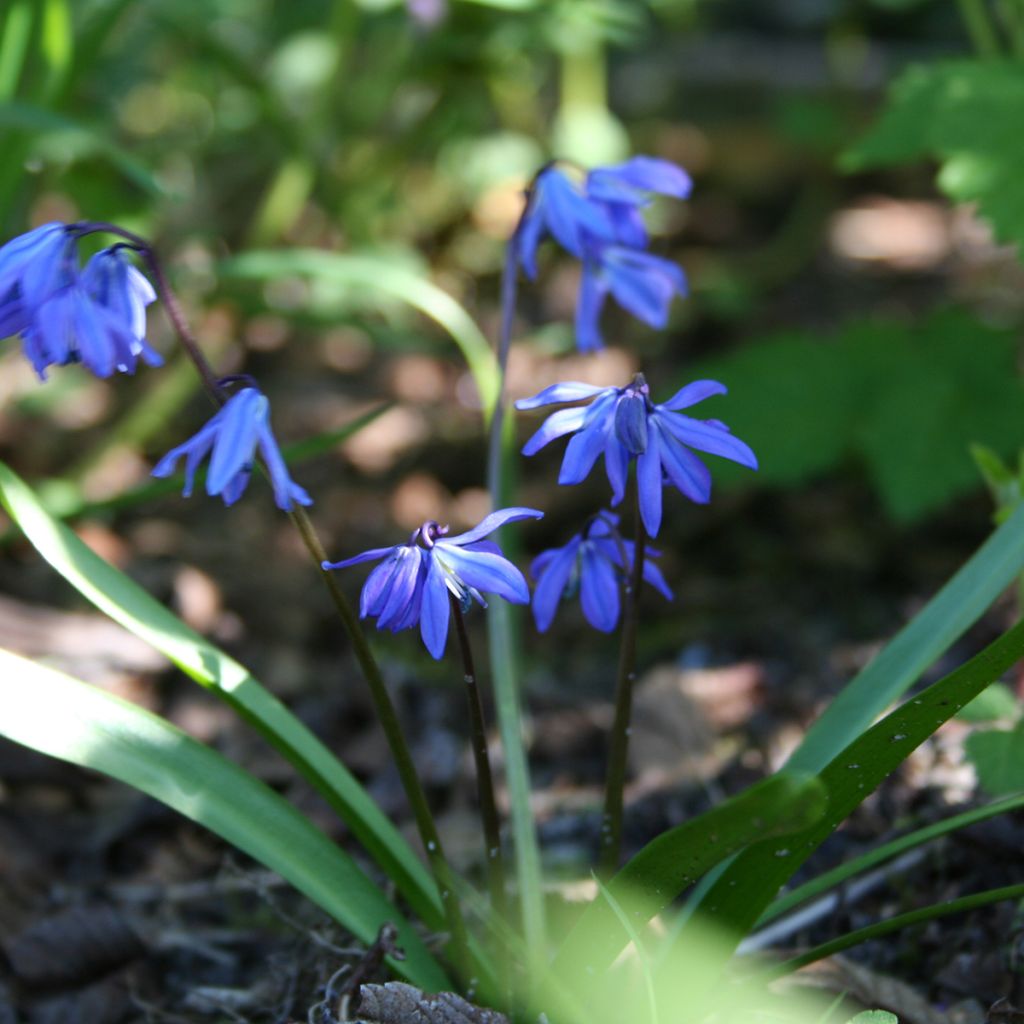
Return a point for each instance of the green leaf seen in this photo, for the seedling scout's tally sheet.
(947, 616)
(370, 277)
(855, 388)
(61, 139)
(874, 1017)
(742, 892)
(125, 602)
(998, 758)
(66, 718)
(655, 877)
(997, 703)
(965, 114)
(885, 852)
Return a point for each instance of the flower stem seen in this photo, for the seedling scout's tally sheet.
(399, 749)
(611, 822)
(484, 779)
(502, 649)
(443, 876)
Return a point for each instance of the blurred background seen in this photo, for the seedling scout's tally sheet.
(853, 276)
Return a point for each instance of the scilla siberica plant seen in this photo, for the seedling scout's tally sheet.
(96, 316)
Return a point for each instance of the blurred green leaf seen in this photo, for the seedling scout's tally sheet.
(966, 115)
(66, 718)
(876, 1016)
(64, 140)
(370, 278)
(998, 758)
(996, 703)
(15, 34)
(806, 404)
(56, 45)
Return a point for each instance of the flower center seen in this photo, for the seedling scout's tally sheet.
(429, 532)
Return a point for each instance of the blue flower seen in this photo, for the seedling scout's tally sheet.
(233, 435)
(642, 284)
(623, 424)
(95, 317)
(594, 564)
(413, 582)
(120, 287)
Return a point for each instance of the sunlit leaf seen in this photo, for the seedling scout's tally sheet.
(66, 718)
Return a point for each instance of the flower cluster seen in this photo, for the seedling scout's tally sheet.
(231, 438)
(623, 424)
(66, 314)
(413, 582)
(600, 222)
(593, 564)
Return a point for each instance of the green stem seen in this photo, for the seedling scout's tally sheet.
(979, 27)
(484, 779)
(502, 652)
(611, 822)
(458, 937)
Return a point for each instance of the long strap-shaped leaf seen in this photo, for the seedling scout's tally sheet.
(66, 718)
(127, 603)
(953, 610)
(656, 876)
(737, 899)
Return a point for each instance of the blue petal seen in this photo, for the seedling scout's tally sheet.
(286, 491)
(366, 556)
(235, 487)
(244, 415)
(493, 574)
(567, 391)
(648, 478)
(631, 422)
(377, 586)
(644, 173)
(707, 437)
(492, 522)
(630, 229)
(643, 284)
(435, 611)
(616, 465)
(402, 591)
(593, 291)
(551, 583)
(569, 215)
(33, 261)
(558, 424)
(599, 590)
(653, 576)
(693, 393)
(528, 238)
(684, 469)
(583, 450)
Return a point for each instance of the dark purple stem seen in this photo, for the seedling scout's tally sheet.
(611, 820)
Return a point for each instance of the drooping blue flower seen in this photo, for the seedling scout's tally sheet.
(413, 582)
(33, 267)
(593, 564)
(623, 424)
(642, 284)
(231, 438)
(120, 287)
(65, 315)
(558, 206)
